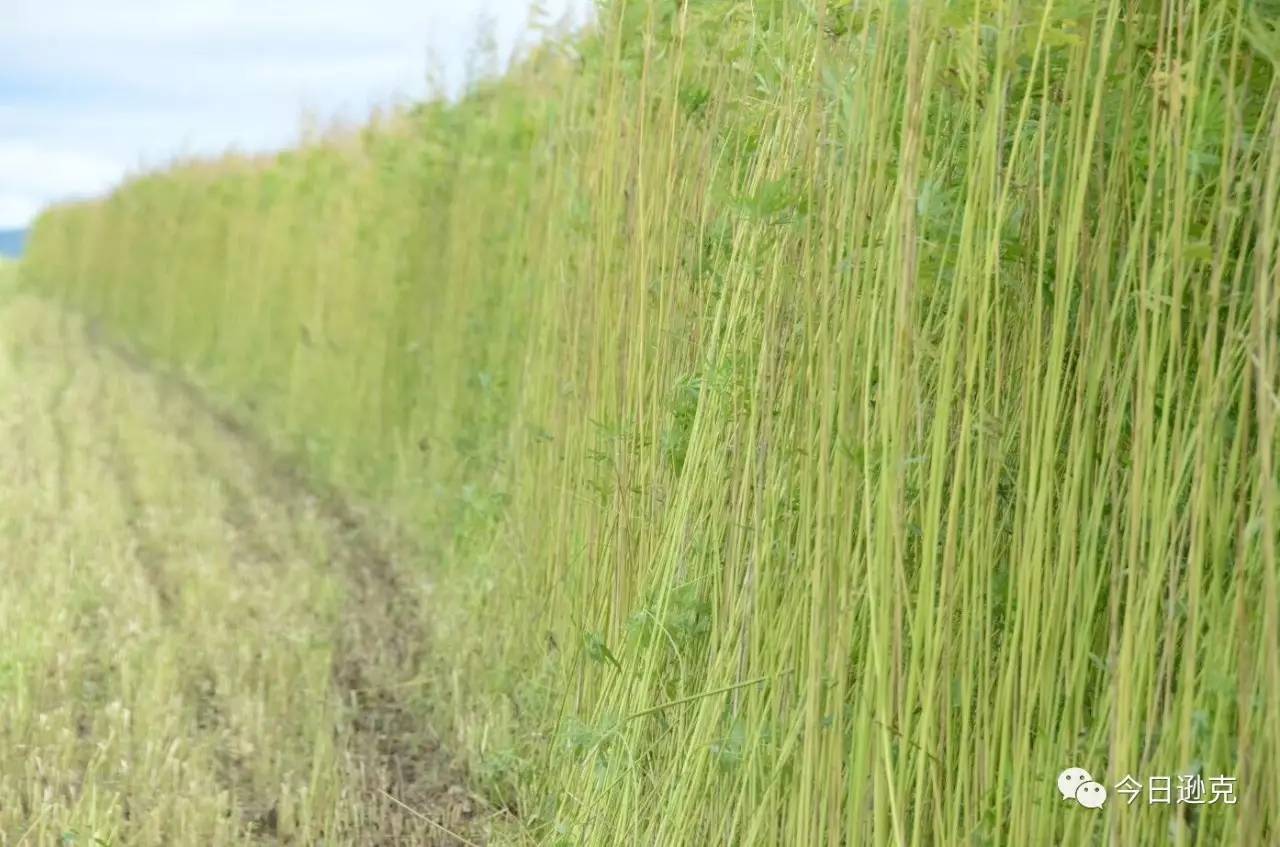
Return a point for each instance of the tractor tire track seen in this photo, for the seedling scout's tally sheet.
(149, 553)
(201, 691)
(378, 644)
(57, 416)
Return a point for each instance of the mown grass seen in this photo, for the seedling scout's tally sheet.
(828, 422)
(179, 629)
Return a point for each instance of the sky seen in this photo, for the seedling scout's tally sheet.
(92, 90)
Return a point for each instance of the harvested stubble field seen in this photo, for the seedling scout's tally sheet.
(198, 647)
(790, 424)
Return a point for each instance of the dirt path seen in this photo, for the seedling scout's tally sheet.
(195, 646)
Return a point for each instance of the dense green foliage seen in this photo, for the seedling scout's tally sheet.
(826, 423)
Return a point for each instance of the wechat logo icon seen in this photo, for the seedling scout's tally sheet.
(1076, 784)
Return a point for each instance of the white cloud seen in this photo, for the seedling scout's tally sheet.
(90, 89)
(151, 21)
(32, 176)
(16, 209)
(31, 168)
